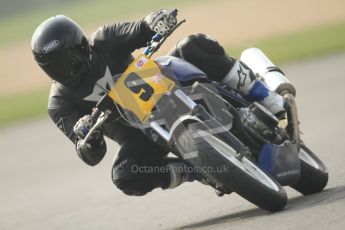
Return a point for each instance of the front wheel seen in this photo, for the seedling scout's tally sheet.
(314, 175)
(243, 176)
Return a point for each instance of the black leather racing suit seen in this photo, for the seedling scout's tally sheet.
(111, 48)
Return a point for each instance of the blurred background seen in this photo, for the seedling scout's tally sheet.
(43, 183)
(285, 30)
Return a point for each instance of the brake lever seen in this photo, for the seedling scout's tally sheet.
(101, 118)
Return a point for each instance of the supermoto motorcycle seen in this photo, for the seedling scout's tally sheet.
(234, 145)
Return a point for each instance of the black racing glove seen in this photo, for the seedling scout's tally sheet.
(161, 21)
(83, 126)
(92, 151)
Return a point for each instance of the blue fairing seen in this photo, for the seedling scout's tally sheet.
(183, 71)
(281, 161)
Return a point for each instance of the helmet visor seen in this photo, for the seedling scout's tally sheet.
(67, 66)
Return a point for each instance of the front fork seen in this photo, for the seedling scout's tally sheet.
(292, 117)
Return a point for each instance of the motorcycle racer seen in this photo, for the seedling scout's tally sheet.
(81, 68)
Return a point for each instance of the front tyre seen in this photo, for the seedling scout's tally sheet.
(243, 177)
(314, 175)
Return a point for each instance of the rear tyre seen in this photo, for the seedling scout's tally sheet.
(314, 175)
(242, 176)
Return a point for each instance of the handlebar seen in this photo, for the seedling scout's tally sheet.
(99, 117)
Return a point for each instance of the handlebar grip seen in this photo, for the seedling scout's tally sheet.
(95, 114)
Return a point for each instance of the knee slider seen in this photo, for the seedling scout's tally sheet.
(127, 179)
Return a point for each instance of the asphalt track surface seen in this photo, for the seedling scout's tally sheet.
(43, 184)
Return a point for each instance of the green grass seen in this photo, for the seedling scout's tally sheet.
(281, 49)
(20, 27)
(300, 45)
(23, 106)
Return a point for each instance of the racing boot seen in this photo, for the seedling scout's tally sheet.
(242, 79)
(180, 172)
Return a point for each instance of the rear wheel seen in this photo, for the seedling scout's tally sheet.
(208, 154)
(314, 175)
